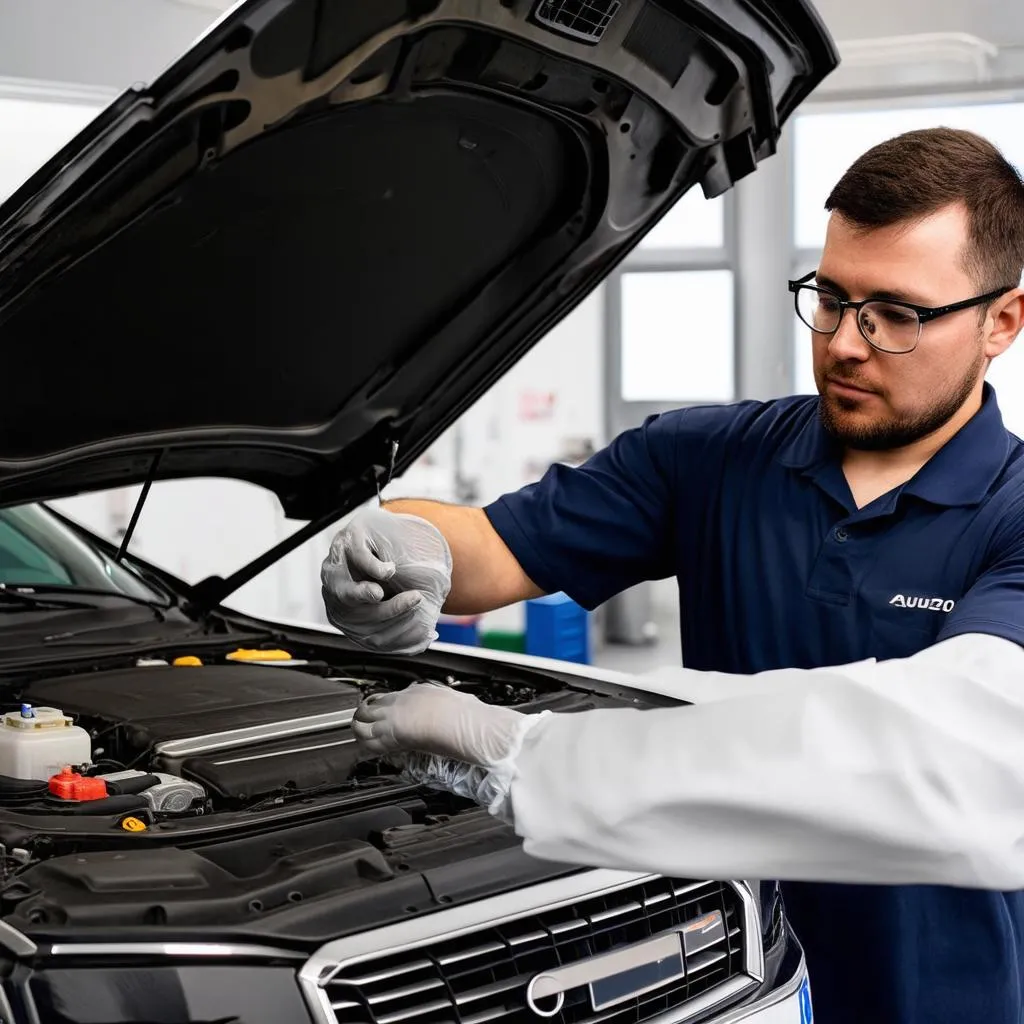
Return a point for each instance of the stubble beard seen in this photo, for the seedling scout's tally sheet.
(888, 433)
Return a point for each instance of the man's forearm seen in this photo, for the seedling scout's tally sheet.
(485, 574)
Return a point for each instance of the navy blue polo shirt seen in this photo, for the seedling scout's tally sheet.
(747, 506)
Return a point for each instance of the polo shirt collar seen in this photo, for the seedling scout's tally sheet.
(960, 473)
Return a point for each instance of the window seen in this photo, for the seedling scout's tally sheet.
(803, 360)
(671, 336)
(33, 130)
(825, 144)
(38, 549)
(693, 223)
(677, 336)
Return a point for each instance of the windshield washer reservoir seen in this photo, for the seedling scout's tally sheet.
(38, 742)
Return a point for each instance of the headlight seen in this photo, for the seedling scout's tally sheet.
(177, 989)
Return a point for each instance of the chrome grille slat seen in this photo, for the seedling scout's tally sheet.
(484, 1017)
(409, 990)
(703, 960)
(491, 990)
(369, 979)
(393, 1018)
(568, 926)
(607, 915)
(480, 976)
(454, 958)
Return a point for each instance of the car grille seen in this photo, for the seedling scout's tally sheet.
(482, 975)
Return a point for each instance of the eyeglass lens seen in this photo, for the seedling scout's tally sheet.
(885, 325)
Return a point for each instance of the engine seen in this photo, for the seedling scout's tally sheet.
(190, 739)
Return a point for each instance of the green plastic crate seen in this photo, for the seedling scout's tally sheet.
(504, 640)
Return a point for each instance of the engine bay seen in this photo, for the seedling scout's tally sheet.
(171, 740)
(196, 738)
(220, 791)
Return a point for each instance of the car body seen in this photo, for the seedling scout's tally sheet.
(294, 260)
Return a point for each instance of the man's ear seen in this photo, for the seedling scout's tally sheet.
(1006, 317)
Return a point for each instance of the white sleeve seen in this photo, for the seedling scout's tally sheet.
(905, 771)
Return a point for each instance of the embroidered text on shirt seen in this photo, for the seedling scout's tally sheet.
(931, 604)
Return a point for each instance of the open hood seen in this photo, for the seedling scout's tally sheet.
(331, 226)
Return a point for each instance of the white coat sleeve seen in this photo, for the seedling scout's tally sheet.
(904, 771)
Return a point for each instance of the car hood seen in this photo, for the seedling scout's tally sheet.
(320, 235)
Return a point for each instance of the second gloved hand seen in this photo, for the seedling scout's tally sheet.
(487, 788)
(434, 719)
(385, 580)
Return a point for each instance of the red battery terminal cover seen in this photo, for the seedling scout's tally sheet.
(69, 785)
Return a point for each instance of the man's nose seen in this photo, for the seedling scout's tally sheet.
(848, 344)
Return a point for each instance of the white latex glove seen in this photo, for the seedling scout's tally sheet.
(385, 580)
(434, 719)
(483, 786)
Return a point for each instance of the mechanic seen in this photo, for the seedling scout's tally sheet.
(851, 580)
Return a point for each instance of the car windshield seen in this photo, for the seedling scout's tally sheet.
(38, 550)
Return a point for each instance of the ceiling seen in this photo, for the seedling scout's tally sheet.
(115, 43)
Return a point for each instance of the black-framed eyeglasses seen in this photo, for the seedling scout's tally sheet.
(885, 324)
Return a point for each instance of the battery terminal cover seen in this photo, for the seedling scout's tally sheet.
(70, 785)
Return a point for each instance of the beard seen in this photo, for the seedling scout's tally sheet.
(891, 432)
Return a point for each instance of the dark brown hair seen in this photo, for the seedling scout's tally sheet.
(920, 173)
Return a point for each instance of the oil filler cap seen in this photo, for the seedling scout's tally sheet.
(245, 654)
(133, 824)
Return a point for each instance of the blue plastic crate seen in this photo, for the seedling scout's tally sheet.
(461, 629)
(557, 627)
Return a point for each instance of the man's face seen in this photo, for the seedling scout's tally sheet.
(878, 400)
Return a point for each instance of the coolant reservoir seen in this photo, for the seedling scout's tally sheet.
(36, 743)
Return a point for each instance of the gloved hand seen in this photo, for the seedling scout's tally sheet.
(434, 719)
(484, 787)
(385, 581)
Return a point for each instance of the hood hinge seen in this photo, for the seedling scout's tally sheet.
(382, 474)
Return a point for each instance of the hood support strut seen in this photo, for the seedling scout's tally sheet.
(209, 593)
(137, 511)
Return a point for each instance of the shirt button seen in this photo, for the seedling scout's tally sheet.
(841, 534)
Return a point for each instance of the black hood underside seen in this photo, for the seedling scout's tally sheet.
(331, 226)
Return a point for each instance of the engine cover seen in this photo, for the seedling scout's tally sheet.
(241, 731)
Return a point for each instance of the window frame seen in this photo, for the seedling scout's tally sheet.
(619, 412)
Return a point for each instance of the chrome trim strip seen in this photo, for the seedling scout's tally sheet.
(417, 932)
(197, 949)
(254, 734)
(15, 942)
(786, 990)
(752, 928)
(282, 753)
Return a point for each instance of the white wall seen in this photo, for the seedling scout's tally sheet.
(113, 43)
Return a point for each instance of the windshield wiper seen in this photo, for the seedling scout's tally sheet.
(20, 599)
(51, 589)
